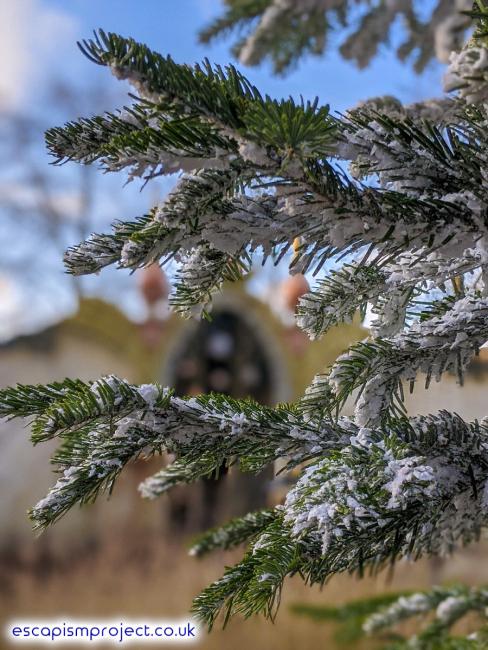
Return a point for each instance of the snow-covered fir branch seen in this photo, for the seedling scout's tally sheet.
(275, 36)
(134, 140)
(269, 174)
(114, 422)
(235, 532)
(449, 606)
(436, 345)
(387, 288)
(363, 499)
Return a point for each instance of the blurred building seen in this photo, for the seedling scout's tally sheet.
(245, 350)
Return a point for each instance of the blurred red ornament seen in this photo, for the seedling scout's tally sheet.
(292, 289)
(154, 284)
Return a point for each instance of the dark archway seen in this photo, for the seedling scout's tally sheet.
(225, 355)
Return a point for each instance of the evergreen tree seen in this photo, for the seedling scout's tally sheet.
(403, 231)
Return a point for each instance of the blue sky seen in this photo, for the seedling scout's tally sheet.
(38, 46)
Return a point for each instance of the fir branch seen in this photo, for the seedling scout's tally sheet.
(287, 31)
(288, 141)
(202, 274)
(449, 605)
(234, 533)
(104, 425)
(440, 344)
(26, 400)
(352, 503)
(136, 139)
(338, 296)
(349, 617)
(204, 90)
(181, 471)
(254, 585)
(379, 617)
(178, 220)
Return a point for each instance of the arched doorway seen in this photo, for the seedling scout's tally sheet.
(229, 354)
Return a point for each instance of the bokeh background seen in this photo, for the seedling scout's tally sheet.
(126, 557)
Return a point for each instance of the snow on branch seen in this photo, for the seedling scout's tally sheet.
(284, 31)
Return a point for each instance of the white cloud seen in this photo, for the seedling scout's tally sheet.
(31, 35)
